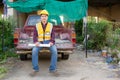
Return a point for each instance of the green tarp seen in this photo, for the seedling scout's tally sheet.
(73, 10)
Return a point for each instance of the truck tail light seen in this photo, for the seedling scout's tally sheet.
(16, 36)
(15, 41)
(73, 36)
(74, 42)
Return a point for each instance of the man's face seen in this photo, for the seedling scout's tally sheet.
(44, 18)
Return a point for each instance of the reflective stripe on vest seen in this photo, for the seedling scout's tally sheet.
(44, 35)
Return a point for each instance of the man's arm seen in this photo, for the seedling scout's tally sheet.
(35, 35)
(52, 36)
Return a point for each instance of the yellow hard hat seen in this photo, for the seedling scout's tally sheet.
(40, 12)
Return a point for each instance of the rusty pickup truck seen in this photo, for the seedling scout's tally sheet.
(65, 38)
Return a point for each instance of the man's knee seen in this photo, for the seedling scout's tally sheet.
(54, 49)
(35, 50)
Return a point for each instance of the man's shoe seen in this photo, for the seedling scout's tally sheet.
(33, 73)
(54, 72)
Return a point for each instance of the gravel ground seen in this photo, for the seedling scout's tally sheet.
(77, 67)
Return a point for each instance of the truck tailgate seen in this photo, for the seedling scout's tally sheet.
(60, 44)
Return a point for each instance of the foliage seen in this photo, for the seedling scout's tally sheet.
(114, 45)
(78, 29)
(99, 33)
(6, 33)
(3, 59)
(79, 39)
(3, 70)
(114, 39)
(7, 54)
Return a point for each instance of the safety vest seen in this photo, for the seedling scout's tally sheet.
(44, 35)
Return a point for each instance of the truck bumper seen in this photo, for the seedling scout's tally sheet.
(43, 51)
(25, 49)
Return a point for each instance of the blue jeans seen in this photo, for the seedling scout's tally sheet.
(53, 63)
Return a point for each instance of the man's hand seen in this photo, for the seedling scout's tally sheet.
(37, 44)
(51, 43)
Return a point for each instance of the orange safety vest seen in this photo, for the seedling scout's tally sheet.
(44, 35)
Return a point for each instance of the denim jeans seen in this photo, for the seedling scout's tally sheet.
(35, 55)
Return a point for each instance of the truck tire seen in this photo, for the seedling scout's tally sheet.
(23, 57)
(65, 56)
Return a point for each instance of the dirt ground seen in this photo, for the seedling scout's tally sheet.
(76, 68)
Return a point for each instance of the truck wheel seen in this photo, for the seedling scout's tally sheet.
(65, 56)
(23, 57)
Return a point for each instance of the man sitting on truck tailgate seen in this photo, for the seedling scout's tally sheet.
(44, 34)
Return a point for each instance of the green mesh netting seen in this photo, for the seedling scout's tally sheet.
(27, 6)
(71, 11)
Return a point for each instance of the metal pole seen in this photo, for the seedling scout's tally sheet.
(3, 34)
(17, 19)
(85, 28)
(3, 23)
